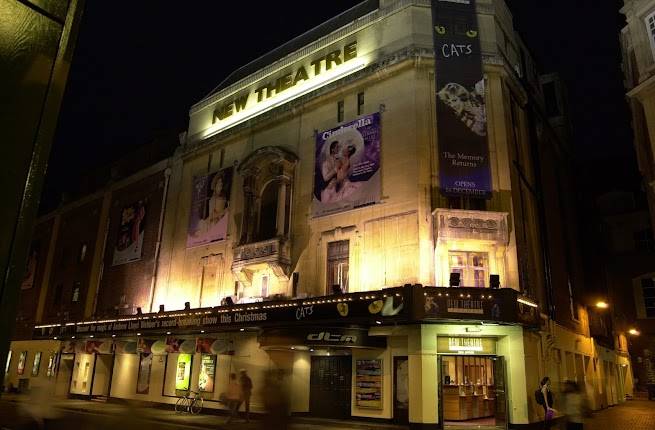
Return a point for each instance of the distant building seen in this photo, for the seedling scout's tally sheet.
(638, 46)
(355, 210)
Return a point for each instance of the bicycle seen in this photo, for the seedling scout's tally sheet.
(188, 403)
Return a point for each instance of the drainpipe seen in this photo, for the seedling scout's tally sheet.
(155, 266)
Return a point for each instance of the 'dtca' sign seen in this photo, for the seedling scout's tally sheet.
(460, 91)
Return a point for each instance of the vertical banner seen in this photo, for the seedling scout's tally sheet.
(464, 168)
(347, 166)
(143, 379)
(30, 270)
(208, 220)
(129, 242)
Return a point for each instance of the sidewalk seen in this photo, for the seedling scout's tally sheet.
(203, 420)
(631, 415)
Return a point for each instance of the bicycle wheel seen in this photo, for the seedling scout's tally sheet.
(181, 405)
(196, 405)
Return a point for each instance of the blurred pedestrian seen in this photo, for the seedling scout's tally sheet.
(233, 396)
(575, 406)
(246, 391)
(276, 402)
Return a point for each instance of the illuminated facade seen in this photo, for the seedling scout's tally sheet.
(304, 220)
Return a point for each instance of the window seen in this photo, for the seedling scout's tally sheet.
(337, 265)
(650, 29)
(648, 291)
(644, 240)
(572, 306)
(76, 292)
(265, 286)
(59, 291)
(268, 212)
(473, 267)
(360, 103)
(82, 254)
(340, 111)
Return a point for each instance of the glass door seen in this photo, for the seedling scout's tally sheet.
(500, 389)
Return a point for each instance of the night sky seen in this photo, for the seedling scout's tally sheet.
(139, 67)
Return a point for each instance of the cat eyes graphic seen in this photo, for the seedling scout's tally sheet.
(441, 30)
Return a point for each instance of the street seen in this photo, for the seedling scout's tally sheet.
(632, 415)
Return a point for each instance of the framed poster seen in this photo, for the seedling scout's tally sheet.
(51, 365)
(145, 367)
(183, 372)
(207, 373)
(21, 363)
(347, 166)
(210, 202)
(8, 362)
(368, 384)
(36, 365)
(129, 242)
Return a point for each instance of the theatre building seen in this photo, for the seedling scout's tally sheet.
(374, 214)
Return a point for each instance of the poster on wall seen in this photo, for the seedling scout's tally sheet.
(145, 367)
(129, 242)
(207, 373)
(22, 358)
(52, 363)
(347, 166)
(183, 372)
(30, 270)
(210, 201)
(36, 365)
(368, 384)
(8, 362)
(464, 168)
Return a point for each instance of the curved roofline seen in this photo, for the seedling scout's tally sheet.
(296, 43)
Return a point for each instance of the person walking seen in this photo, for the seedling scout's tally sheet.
(574, 406)
(246, 391)
(233, 396)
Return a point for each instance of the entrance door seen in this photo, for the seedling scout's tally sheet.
(64, 374)
(501, 391)
(102, 372)
(401, 390)
(330, 387)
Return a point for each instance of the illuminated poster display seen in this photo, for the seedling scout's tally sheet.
(183, 372)
(464, 168)
(347, 166)
(21, 363)
(8, 362)
(210, 201)
(36, 365)
(143, 380)
(129, 242)
(52, 362)
(207, 373)
(368, 384)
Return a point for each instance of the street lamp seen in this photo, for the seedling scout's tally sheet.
(602, 304)
(634, 332)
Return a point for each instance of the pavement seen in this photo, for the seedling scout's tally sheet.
(631, 415)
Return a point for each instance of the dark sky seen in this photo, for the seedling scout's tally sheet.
(139, 66)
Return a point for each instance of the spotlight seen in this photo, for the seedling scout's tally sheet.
(494, 281)
(336, 289)
(454, 279)
(161, 309)
(602, 304)
(187, 306)
(138, 311)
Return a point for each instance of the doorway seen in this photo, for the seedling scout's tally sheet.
(472, 392)
(102, 373)
(400, 390)
(330, 386)
(64, 375)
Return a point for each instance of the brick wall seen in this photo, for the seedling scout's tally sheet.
(124, 287)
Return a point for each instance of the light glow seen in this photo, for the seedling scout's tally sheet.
(634, 332)
(527, 302)
(601, 304)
